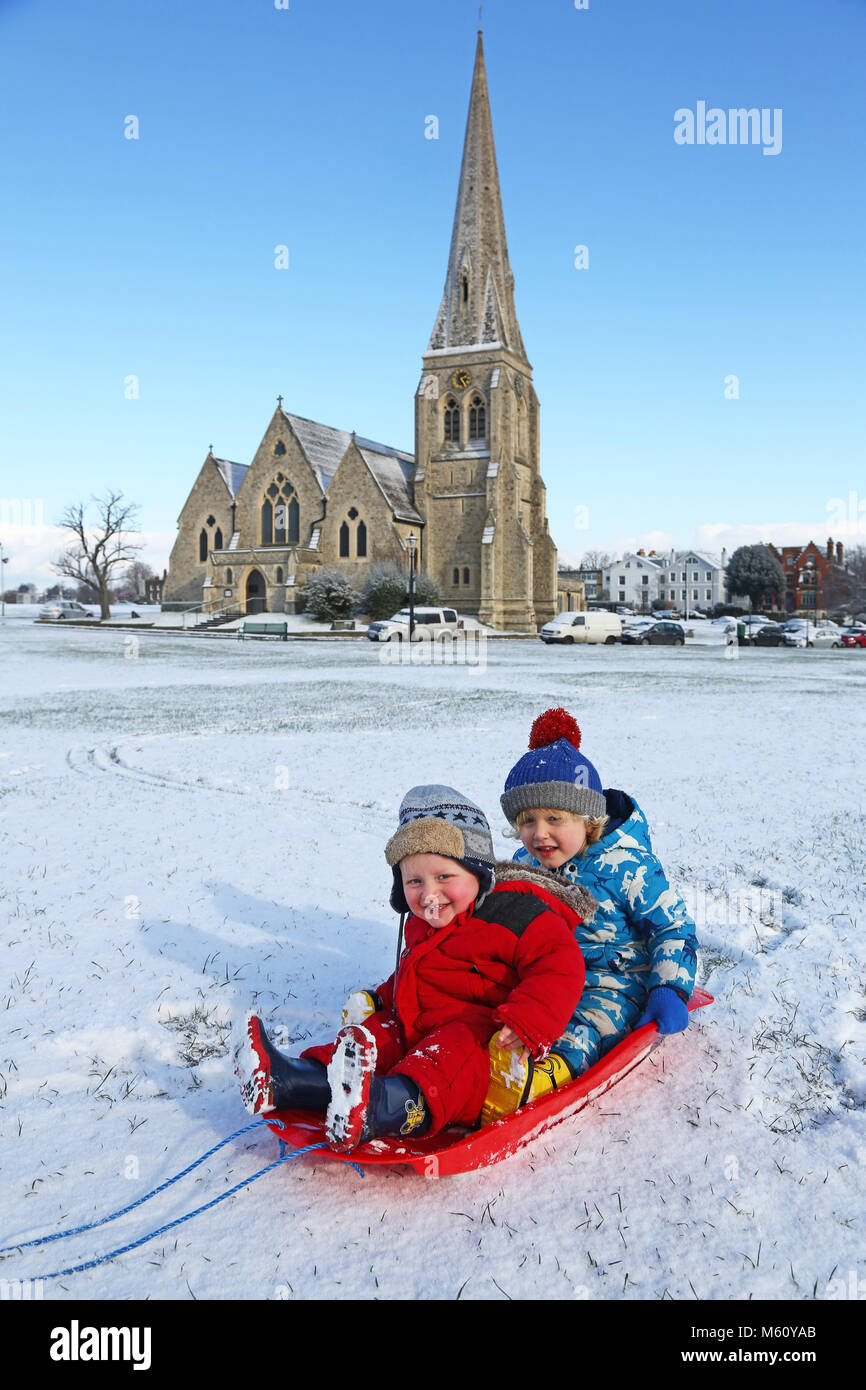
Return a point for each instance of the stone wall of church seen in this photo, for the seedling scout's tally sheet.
(186, 572)
(354, 490)
(264, 471)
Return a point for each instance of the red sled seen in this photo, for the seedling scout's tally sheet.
(456, 1149)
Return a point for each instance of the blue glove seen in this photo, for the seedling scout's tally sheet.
(666, 1008)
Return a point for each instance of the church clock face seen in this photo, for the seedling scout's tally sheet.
(461, 379)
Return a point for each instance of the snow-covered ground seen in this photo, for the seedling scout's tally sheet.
(188, 825)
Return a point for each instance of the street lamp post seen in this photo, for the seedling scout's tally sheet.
(412, 542)
(4, 560)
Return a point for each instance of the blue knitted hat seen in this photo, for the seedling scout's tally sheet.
(553, 773)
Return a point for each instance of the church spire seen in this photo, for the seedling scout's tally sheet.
(478, 302)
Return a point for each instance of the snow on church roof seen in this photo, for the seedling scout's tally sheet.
(233, 474)
(325, 446)
(393, 472)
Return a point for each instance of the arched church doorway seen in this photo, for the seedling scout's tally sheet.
(256, 593)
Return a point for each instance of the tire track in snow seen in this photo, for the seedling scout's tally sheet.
(106, 759)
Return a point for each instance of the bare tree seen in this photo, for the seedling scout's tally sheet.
(132, 583)
(97, 551)
(596, 560)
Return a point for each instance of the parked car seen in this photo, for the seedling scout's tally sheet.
(801, 633)
(582, 627)
(636, 625)
(670, 634)
(430, 623)
(854, 636)
(65, 608)
(768, 635)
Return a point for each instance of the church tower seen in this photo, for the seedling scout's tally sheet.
(477, 481)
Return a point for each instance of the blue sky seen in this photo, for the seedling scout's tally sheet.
(258, 127)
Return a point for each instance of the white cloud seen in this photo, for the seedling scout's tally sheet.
(31, 549)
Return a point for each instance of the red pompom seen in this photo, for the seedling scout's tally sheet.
(553, 725)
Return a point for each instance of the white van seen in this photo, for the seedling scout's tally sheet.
(583, 627)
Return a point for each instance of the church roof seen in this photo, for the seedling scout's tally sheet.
(325, 446)
(393, 472)
(232, 474)
(479, 250)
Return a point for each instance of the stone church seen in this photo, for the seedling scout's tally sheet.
(251, 535)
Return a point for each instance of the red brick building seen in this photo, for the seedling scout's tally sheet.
(816, 581)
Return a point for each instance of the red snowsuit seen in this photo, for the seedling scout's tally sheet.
(514, 960)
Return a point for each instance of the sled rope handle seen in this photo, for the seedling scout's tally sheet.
(152, 1235)
(78, 1230)
(90, 1226)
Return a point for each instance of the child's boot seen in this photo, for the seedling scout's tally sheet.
(270, 1081)
(515, 1081)
(365, 1106)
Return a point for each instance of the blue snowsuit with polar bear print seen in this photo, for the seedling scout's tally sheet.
(641, 935)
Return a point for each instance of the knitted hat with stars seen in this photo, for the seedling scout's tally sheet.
(439, 820)
(553, 773)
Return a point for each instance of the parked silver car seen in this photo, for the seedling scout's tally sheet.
(65, 608)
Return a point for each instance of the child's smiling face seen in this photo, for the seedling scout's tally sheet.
(437, 889)
(552, 837)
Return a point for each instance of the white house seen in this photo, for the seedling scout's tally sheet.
(690, 579)
(634, 579)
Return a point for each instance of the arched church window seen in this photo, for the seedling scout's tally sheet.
(279, 574)
(477, 419)
(294, 522)
(465, 288)
(202, 545)
(466, 576)
(452, 421)
(279, 448)
(267, 523)
(218, 539)
(344, 541)
(361, 540)
(455, 576)
(229, 579)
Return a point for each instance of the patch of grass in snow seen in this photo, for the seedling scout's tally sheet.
(797, 1078)
(202, 1034)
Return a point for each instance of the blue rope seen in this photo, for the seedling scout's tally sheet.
(77, 1230)
(122, 1250)
(152, 1235)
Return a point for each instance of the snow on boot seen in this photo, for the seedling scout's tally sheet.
(350, 1072)
(270, 1081)
(515, 1081)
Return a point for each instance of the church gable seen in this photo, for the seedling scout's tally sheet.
(204, 525)
(280, 499)
(363, 524)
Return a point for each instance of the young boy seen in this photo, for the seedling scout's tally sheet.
(488, 947)
(640, 949)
